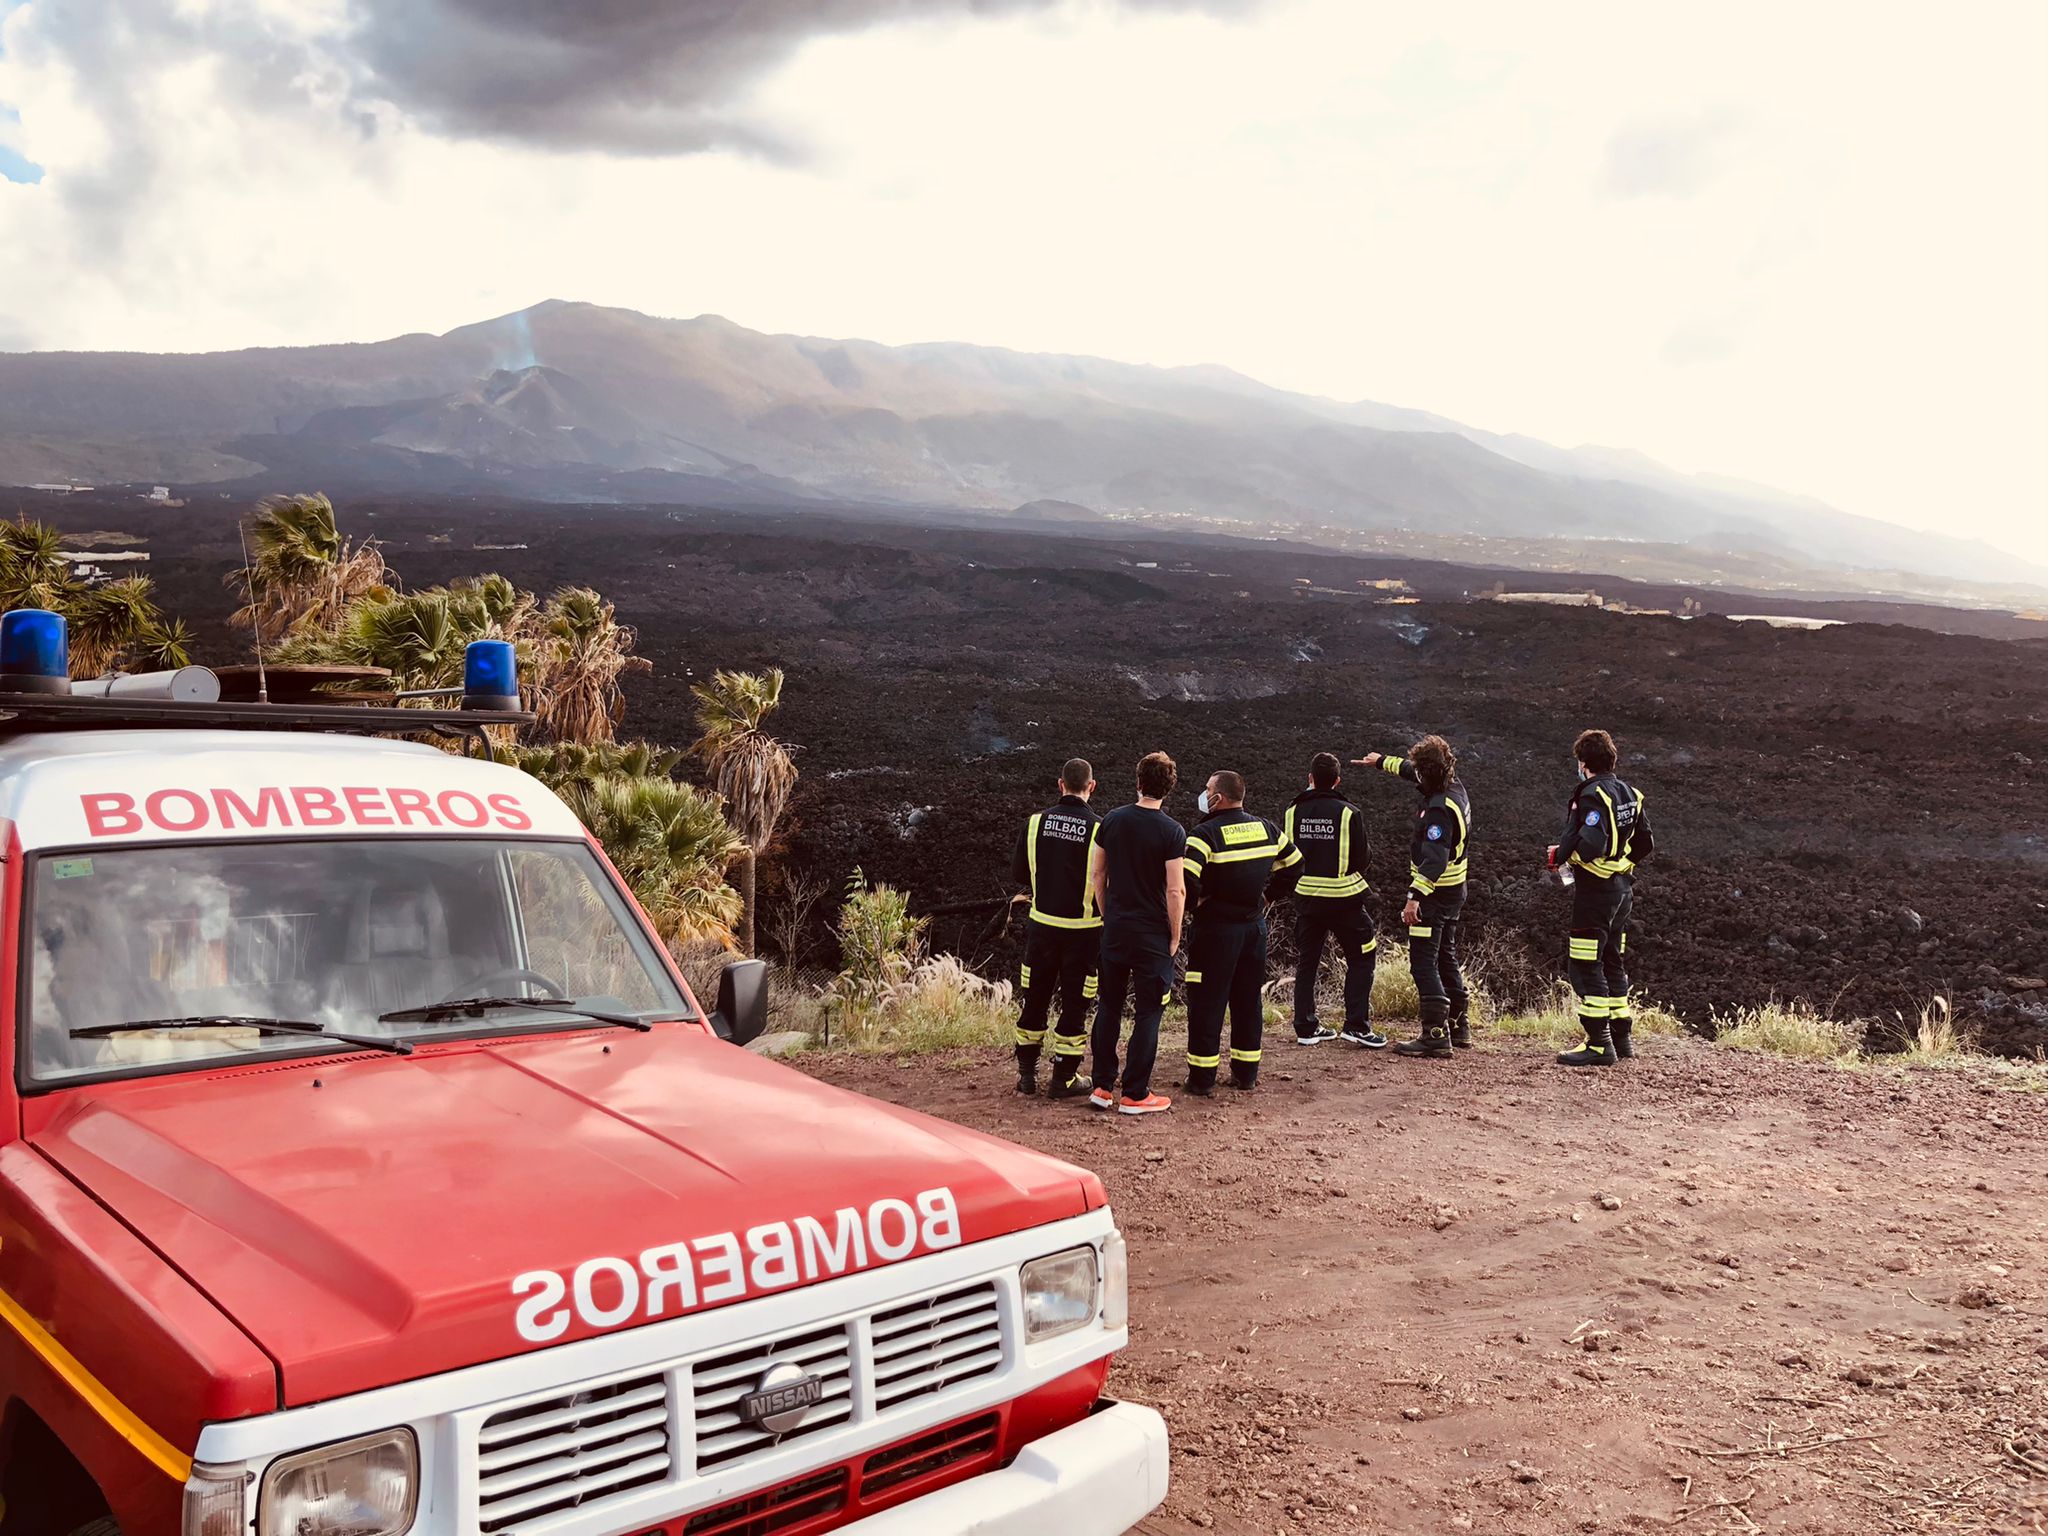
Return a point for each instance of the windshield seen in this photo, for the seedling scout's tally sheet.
(340, 934)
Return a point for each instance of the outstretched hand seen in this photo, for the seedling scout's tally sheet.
(1370, 760)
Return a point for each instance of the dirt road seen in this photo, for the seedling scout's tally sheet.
(1494, 1296)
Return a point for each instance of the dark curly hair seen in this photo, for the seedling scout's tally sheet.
(1435, 763)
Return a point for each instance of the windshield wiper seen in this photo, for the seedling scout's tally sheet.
(244, 1021)
(428, 1012)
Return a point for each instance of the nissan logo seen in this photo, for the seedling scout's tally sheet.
(781, 1398)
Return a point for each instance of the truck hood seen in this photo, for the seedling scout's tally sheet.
(374, 1219)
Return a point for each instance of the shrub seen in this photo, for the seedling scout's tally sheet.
(879, 943)
(938, 1005)
(1555, 1020)
(1932, 1039)
(1787, 1029)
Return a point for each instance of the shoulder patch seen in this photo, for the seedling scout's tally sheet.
(1435, 833)
(1593, 818)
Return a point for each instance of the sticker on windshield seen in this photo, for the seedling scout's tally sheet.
(70, 869)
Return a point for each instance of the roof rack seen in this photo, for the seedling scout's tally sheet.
(21, 712)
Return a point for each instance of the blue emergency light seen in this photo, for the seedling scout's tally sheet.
(35, 652)
(490, 676)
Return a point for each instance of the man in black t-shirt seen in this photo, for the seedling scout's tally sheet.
(1139, 892)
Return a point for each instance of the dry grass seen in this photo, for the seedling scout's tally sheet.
(1933, 1039)
(940, 1006)
(1795, 1030)
(1555, 1022)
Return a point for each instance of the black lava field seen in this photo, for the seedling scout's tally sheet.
(1855, 816)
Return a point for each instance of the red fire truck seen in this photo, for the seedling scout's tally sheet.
(367, 1167)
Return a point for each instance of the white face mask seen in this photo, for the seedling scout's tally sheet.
(1202, 802)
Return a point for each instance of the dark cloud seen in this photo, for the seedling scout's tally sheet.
(628, 76)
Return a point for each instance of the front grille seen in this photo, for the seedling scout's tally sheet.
(721, 1381)
(761, 1514)
(548, 1456)
(927, 1453)
(928, 1346)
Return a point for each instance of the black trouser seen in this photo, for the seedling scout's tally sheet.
(1433, 958)
(1348, 921)
(1597, 957)
(1058, 962)
(1130, 964)
(1226, 969)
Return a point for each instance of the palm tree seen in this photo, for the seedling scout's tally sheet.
(581, 652)
(672, 844)
(110, 624)
(750, 769)
(302, 574)
(32, 572)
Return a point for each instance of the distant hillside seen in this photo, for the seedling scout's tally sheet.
(578, 400)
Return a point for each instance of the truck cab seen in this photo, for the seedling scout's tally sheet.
(367, 1167)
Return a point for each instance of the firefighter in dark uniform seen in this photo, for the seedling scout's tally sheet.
(1063, 936)
(1438, 851)
(1606, 834)
(1229, 861)
(1330, 903)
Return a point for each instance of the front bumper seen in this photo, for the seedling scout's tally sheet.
(1099, 1477)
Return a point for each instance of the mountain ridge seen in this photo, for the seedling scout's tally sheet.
(931, 423)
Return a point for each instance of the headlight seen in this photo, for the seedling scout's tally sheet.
(1116, 1282)
(363, 1487)
(1059, 1294)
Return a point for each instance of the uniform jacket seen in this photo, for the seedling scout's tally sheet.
(1606, 830)
(1330, 833)
(1054, 862)
(1228, 861)
(1439, 844)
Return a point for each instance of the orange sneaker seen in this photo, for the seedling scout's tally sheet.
(1151, 1104)
(1102, 1098)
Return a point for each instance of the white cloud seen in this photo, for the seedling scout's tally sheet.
(1798, 244)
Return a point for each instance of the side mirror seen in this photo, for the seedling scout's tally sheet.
(742, 1011)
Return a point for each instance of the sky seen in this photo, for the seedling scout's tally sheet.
(1802, 245)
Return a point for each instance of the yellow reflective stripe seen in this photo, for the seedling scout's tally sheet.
(1194, 976)
(1064, 922)
(1030, 1036)
(1191, 867)
(1621, 944)
(1613, 825)
(1023, 975)
(1344, 820)
(1237, 1055)
(1593, 1007)
(1290, 858)
(1068, 1045)
(1201, 848)
(1204, 1061)
(1091, 986)
(167, 1458)
(1330, 885)
(1287, 822)
(1420, 881)
(1607, 869)
(1369, 946)
(1031, 851)
(1585, 949)
(1240, 855)
(1416, 932)
(1088, 875)
(1391, 764)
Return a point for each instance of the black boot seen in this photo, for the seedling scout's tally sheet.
(1622, 1031)
(1598, 1051)
(1201, 1082)
(1027, 1069)
(1435, 1040)
(1461, 1024)
(1244, 1077)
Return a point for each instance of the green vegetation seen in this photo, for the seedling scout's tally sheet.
(750, 768)
(113, 625)
(1795, 1029)
(891, 997)
(1555, 1021)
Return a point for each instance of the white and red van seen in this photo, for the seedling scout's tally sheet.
(366, 1167)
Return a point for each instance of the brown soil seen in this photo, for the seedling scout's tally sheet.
(1389, 1296)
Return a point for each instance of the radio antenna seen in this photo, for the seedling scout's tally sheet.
(255, 614)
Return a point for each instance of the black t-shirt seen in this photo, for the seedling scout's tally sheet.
(1139, 844)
